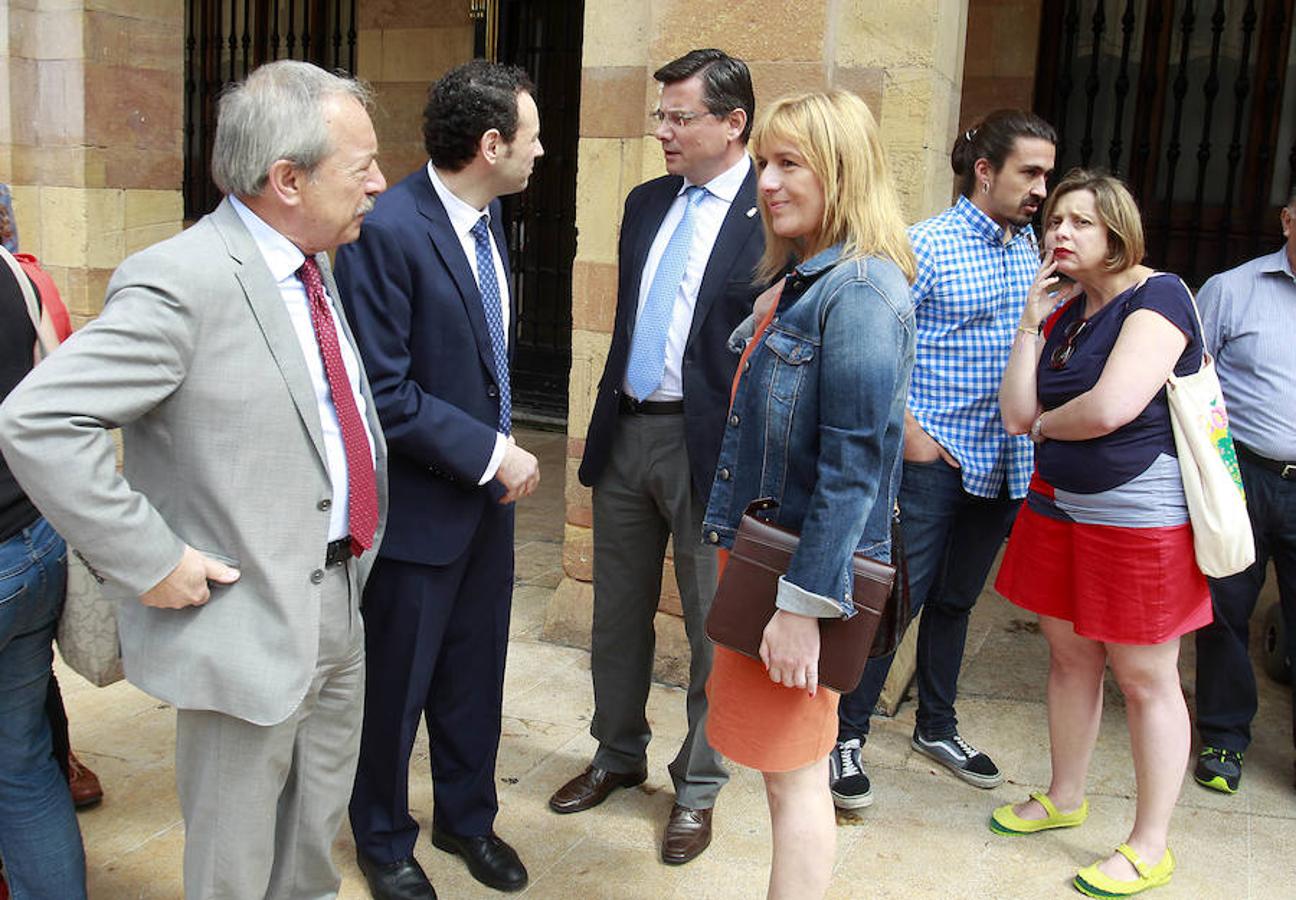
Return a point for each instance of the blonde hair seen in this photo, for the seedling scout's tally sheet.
(1116, 210)
(837, 136)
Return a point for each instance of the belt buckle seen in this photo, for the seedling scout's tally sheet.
(1288, 472)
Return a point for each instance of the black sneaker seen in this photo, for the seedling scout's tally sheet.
(846, 779)
(1219, 769)
(961, 758)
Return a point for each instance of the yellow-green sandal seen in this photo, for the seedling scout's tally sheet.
(1006, 822)
(1092, 882)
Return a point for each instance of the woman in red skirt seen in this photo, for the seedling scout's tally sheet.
(1102, 549)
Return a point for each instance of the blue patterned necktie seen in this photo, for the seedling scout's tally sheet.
(648, 346)
(488, 286)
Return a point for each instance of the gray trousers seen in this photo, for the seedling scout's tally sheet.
(643, 497)
(262, 804)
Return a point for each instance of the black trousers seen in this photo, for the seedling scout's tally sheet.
(435, 643)
(1226, 684)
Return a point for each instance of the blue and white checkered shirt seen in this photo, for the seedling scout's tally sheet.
(969, 294)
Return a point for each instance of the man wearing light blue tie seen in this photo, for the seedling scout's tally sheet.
(426, 290)
(689, 244)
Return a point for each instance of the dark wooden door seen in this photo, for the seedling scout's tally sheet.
(1193, 102)
(226, 39)
(544, 38)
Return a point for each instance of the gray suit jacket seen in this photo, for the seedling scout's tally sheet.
(195, 358)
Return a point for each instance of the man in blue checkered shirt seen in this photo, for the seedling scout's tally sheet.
(964, 475)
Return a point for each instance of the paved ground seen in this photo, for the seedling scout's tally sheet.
(925, 836)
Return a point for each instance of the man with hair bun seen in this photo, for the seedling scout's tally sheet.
(241, 530)
(427, 290)
(964, 475)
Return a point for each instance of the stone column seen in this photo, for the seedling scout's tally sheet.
(402, 47)
(91, 140)
(904, 57)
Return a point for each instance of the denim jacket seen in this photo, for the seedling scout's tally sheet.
(817, 422)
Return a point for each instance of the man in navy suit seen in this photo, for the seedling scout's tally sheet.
(426, 290)
(689, 245)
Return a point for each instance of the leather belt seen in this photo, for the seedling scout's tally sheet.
(1284, 470)
(338, 552)
(632, 407)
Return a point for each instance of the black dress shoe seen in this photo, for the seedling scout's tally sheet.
(490, 860)
(400, 880)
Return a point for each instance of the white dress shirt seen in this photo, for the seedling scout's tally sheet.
(284, 259)
(463, 218)
(707, 219)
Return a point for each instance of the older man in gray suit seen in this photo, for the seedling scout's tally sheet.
(242, 528)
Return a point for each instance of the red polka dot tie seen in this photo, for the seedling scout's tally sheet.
(362, 488)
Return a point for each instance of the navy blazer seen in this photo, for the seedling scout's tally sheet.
(414, 306)
(724, 299)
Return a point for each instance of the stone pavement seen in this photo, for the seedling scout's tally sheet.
(925, 836)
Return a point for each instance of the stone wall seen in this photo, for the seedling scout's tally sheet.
(90, 136)
(1003, 43)
(904, 57)
(402, 47)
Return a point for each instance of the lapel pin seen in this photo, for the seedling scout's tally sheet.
(751, 212)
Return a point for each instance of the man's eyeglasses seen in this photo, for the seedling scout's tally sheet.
(679, 118)
(1064, 351)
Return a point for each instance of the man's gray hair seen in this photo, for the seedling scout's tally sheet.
(275, 113)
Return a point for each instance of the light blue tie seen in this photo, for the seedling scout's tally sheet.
(648, 346)
(488, 286)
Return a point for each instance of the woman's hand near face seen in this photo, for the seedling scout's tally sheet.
(1045, 294)
(790, 651)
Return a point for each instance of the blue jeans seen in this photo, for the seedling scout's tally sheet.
(950, 540)
(39, 838)
(1226, 685)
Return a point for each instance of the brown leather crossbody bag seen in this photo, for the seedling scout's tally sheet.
(744, 600)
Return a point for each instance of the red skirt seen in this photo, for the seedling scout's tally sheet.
(1116, 585)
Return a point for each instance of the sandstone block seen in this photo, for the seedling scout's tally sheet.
(749, 29)
(577, 498)
(64, 226)
(134, 108)
(117, 40)
(424, 54)
(404, 14)
(608, 107)
(570, 614)
(578, 552)
(145, 207)
(598, 198)
(617, 34)
(46, 33)
(369, 54)
(594, 295)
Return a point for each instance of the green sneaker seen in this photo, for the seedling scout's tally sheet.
(1219, 769)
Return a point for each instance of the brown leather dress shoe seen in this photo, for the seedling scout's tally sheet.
(591, 787)
(84, 784)
(688, 833)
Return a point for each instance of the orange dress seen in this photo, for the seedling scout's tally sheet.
(752, 720)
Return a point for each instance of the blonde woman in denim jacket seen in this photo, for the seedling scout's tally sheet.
(816, 424)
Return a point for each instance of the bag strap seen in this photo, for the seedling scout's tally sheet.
(29, 295)
(1201, 327)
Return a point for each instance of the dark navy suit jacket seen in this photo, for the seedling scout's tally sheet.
(414, 306)
(724, 299)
